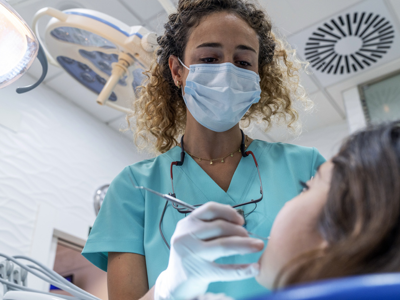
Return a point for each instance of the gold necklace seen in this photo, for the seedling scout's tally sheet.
(222, 159)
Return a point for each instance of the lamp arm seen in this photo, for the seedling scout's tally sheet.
(35, 26)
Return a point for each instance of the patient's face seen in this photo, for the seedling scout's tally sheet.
(295, 228)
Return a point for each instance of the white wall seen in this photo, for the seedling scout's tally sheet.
(52, 167)
(354, 110)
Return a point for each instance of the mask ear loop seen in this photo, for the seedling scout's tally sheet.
(183, 64)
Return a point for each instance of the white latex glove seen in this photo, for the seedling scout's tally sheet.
(212, 231)
(211, 296)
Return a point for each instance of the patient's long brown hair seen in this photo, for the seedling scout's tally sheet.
(361, 219)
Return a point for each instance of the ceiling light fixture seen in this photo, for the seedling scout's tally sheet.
(18, 48)
(100, 52)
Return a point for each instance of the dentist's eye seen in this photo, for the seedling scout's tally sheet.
(244, 63)
(304, 185)
(209, 60)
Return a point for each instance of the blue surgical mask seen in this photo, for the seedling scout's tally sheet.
(218, 95)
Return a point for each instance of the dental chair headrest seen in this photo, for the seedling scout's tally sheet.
(365, 287)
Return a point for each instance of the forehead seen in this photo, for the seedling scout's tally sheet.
(225, 28)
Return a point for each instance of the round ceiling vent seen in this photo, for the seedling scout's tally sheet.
(349, 43)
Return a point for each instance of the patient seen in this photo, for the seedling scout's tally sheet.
(347, 219)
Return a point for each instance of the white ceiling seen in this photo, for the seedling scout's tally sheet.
(349, 39)
(292, 16)
(289, 18)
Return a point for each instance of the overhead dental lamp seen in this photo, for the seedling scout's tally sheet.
(18, 48)
(100, 52)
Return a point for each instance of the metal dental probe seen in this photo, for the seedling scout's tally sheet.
(184, 204)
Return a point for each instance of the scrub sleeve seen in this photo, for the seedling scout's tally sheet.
(129, 218)
(119, 226)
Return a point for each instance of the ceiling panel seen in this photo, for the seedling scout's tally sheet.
(70, 89)
(144, 9)
(291, 16)
(157, 22)
(395, 5)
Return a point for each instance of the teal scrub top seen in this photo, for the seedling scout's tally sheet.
(129, 218)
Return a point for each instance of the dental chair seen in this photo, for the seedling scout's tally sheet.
(364, 287)
(14, 275)
(19, 295)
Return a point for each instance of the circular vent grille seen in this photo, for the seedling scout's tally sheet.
(349, 43)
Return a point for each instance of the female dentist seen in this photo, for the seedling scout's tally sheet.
(218, 63)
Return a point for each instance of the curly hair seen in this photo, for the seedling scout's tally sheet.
(160, 110)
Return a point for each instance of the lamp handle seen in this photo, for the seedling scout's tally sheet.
(41, 56)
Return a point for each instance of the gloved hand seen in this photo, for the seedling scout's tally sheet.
(212, 231)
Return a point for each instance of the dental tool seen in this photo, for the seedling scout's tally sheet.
(184, 204)
(169, 198)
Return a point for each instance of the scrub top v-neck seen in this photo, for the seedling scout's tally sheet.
(238, 186)
(128, 220)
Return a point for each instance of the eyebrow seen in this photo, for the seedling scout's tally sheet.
(218, 45)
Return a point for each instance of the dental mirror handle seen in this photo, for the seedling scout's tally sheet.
(179, 202)
(192, 208)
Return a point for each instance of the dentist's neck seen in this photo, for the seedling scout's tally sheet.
(208, 144)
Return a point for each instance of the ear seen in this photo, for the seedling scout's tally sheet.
(176, 69)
